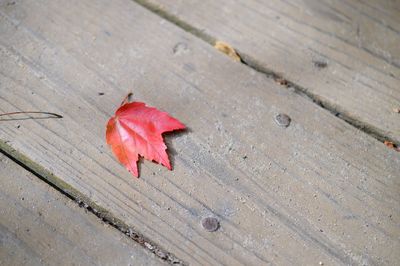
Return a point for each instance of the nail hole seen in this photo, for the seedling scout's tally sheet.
(282, 120)
(211, 224)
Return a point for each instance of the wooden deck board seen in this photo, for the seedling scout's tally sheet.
(344, 53)
(318, 190)
(40, 226)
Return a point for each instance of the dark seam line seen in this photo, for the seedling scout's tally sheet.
(35, 65)
(337, 111)
(83, 202)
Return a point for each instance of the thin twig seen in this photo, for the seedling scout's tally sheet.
(33, 112)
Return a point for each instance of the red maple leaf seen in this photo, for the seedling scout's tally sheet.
(136, 130)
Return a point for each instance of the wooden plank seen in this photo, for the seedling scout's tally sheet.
(318, 190)
(40, 226)
(345, 54)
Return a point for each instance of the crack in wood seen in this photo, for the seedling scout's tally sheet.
(84, 202)
(249, 61)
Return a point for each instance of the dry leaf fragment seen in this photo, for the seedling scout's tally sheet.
(396, 110)
(227, 49)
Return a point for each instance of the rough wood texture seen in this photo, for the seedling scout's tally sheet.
(318, 190)
(345, 53)
(40, 226)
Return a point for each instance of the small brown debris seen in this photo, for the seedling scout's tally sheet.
(282, 81)
(227, 49)
(391, 145)
(396, 110)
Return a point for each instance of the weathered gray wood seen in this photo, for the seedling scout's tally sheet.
(40, 226)
(318, 190)
(345, 53)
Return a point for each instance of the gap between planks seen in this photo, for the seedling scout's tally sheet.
(84, 202)
(251, 62)
(213, 171)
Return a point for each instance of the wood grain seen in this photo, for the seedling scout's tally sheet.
(40, 226)
(345, 54)
(318, 190)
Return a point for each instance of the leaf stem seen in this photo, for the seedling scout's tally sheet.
(33, 112)
(127, 98)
